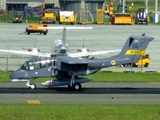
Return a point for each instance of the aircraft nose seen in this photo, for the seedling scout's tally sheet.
(13, 75)
(18, 74)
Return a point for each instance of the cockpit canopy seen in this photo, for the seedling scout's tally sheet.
(37, 63)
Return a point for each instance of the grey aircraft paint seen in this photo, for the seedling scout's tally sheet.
(68, 69)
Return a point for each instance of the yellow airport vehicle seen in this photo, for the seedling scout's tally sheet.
(34, 28)
(17, 19)
(144, 61)
(49, 16)
(120, 17)
(66, 17)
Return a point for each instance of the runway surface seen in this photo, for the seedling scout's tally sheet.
(92, 93)
(102, 37)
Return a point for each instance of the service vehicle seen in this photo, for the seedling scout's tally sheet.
(49, 16)
(144, 61)
(141, 17)
(17, 19)
(66, 17)
(35, 28)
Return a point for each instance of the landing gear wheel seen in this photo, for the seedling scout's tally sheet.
(32, 86)
(77, 86)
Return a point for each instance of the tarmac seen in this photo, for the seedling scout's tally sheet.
(92, 93)
(101, 37)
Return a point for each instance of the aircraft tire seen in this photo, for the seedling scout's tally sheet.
(32, 86)
(77, 86)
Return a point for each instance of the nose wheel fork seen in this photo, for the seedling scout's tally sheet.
(31, 85)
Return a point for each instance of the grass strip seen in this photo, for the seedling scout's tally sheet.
(102, 77)
(79, 112)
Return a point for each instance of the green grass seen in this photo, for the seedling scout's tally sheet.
(125, 77)
(79, 112)
(103, 77)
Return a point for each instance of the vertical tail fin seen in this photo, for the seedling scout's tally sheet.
(133, 49)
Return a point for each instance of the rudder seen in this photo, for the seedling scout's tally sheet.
(134, 47)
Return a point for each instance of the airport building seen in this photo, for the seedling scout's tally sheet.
(33, 8)
(63, 4)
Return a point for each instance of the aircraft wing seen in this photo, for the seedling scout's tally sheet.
(92, 53)
(74, 61)
(26, 53)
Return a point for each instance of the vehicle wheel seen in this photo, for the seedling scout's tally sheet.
(134, 65)
(77, 86)
(45, 33)
(32, 86)
(28, 33)
(146, 65)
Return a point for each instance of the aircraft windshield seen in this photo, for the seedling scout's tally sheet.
(33, 65)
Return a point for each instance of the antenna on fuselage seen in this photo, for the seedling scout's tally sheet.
(143, 34)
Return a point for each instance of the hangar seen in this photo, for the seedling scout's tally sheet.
(63, 4)
(19, 4)
(35, 6)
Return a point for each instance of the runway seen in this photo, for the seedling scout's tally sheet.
(92, 93)
(102, 37)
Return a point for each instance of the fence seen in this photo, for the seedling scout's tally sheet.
(11, 63)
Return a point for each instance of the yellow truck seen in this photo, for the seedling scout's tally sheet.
(35, 28)
(144, 61)
(66, 17)
(49, 16)
(17, 19)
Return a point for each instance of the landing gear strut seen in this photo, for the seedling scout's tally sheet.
(31, 85)
(73, 85)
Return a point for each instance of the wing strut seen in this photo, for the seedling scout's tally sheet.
(72, 80)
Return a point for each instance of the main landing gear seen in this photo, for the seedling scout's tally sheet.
(31, 85)
(73, 85)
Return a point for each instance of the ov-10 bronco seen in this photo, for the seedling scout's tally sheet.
(67, 70)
